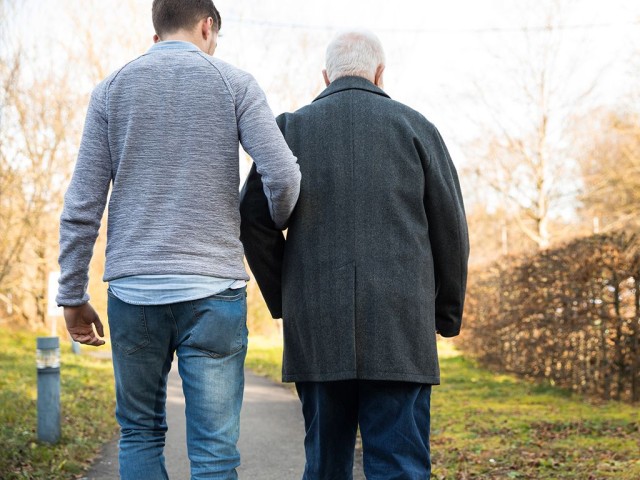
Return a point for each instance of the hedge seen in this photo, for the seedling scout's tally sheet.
(570, 315)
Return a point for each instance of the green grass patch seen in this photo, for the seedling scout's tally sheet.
(264, 357)
(492, 426)
(87, 411)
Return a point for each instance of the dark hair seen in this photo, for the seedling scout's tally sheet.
(170, 16)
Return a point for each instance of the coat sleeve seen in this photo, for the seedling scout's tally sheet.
(263, 242)
(447, 232)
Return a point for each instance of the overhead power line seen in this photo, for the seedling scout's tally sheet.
(538, 28)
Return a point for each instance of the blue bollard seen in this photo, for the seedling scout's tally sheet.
(48, 365)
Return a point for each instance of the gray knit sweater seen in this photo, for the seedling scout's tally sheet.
(163, 133)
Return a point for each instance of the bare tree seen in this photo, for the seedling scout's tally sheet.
(42, 107)
(525, 158)
(96, 53)
(40, 116)
(12, 240)
(610, 166)
(609, 145)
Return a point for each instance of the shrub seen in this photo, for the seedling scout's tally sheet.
(570, 315)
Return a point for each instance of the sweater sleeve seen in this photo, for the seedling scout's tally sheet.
(448, 234)
(84, 204)
(262, 140)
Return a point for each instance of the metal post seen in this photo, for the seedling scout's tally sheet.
(48, 365)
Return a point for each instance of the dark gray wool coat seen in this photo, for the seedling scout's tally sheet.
(375, 257)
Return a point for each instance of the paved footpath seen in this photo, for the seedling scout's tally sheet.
(271, 435)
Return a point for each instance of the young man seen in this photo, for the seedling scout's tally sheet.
(373, 266)
(163, 133)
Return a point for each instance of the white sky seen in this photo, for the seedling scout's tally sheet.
(433, 47)
(440, 54)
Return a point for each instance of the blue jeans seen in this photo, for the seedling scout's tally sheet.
(394, 420)
(210, 339)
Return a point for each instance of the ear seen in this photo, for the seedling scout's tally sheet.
(378, 81)
(326, 77)
(156, 38)
(206, 27)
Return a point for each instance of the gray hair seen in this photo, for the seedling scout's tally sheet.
(354, 53)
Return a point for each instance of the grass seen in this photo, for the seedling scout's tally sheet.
(491, 426)
(264, 357)
(87, 404)
(484, 425)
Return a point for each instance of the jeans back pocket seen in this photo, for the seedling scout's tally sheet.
(127, 325)
(220, 326)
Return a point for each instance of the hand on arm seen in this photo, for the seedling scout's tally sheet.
(261, 138)
(80, 322)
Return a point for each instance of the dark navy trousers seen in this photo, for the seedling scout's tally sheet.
(394, 421)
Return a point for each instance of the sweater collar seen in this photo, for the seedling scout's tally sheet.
(174, 45)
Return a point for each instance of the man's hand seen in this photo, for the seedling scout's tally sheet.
(80, 321)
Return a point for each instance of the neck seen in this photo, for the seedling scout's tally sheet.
(372, 80)
(182, 36)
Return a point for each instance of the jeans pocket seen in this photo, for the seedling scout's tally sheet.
(127, 325)
(220, 326)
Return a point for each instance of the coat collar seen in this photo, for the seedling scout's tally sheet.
(351, 83)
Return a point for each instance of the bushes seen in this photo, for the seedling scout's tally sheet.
(570, 315)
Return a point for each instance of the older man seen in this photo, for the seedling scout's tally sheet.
(373, 266)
